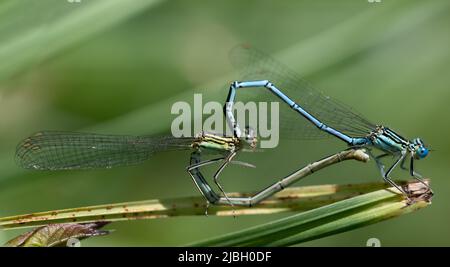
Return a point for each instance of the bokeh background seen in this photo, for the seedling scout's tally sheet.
(118, 66)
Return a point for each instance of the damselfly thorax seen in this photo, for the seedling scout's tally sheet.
(388, 141)
(212, 142)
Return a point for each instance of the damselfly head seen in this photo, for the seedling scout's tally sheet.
(420, 150)
(250, 137)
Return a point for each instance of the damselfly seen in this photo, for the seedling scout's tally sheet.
(53, 150)
(314, 115)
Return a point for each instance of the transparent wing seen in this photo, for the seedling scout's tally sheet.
(70, 150)
(255, 65)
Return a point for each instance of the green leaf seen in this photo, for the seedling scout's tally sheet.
(57, 235)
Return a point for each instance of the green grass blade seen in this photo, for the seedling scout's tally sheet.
(328, 220)
(291, 199)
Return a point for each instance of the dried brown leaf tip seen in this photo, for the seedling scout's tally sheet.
(419, 191)
(58, 235)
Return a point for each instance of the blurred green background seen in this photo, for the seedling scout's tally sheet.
(118, 66)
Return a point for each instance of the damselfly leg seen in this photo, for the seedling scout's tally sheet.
(199, 181)
(412, 172)
(389, 171)
(203, 163)
(194, 171)
(384, 174)
(227, 160)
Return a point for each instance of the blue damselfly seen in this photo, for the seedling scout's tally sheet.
(314, 115)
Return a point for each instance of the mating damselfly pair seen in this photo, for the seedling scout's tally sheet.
(309, 114)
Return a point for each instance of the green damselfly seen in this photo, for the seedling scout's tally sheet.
(56, 150)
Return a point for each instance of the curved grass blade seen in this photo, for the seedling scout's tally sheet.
(335, 218)
(291, 199)
(33, 31)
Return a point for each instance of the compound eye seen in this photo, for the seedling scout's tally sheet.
(422, 152)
